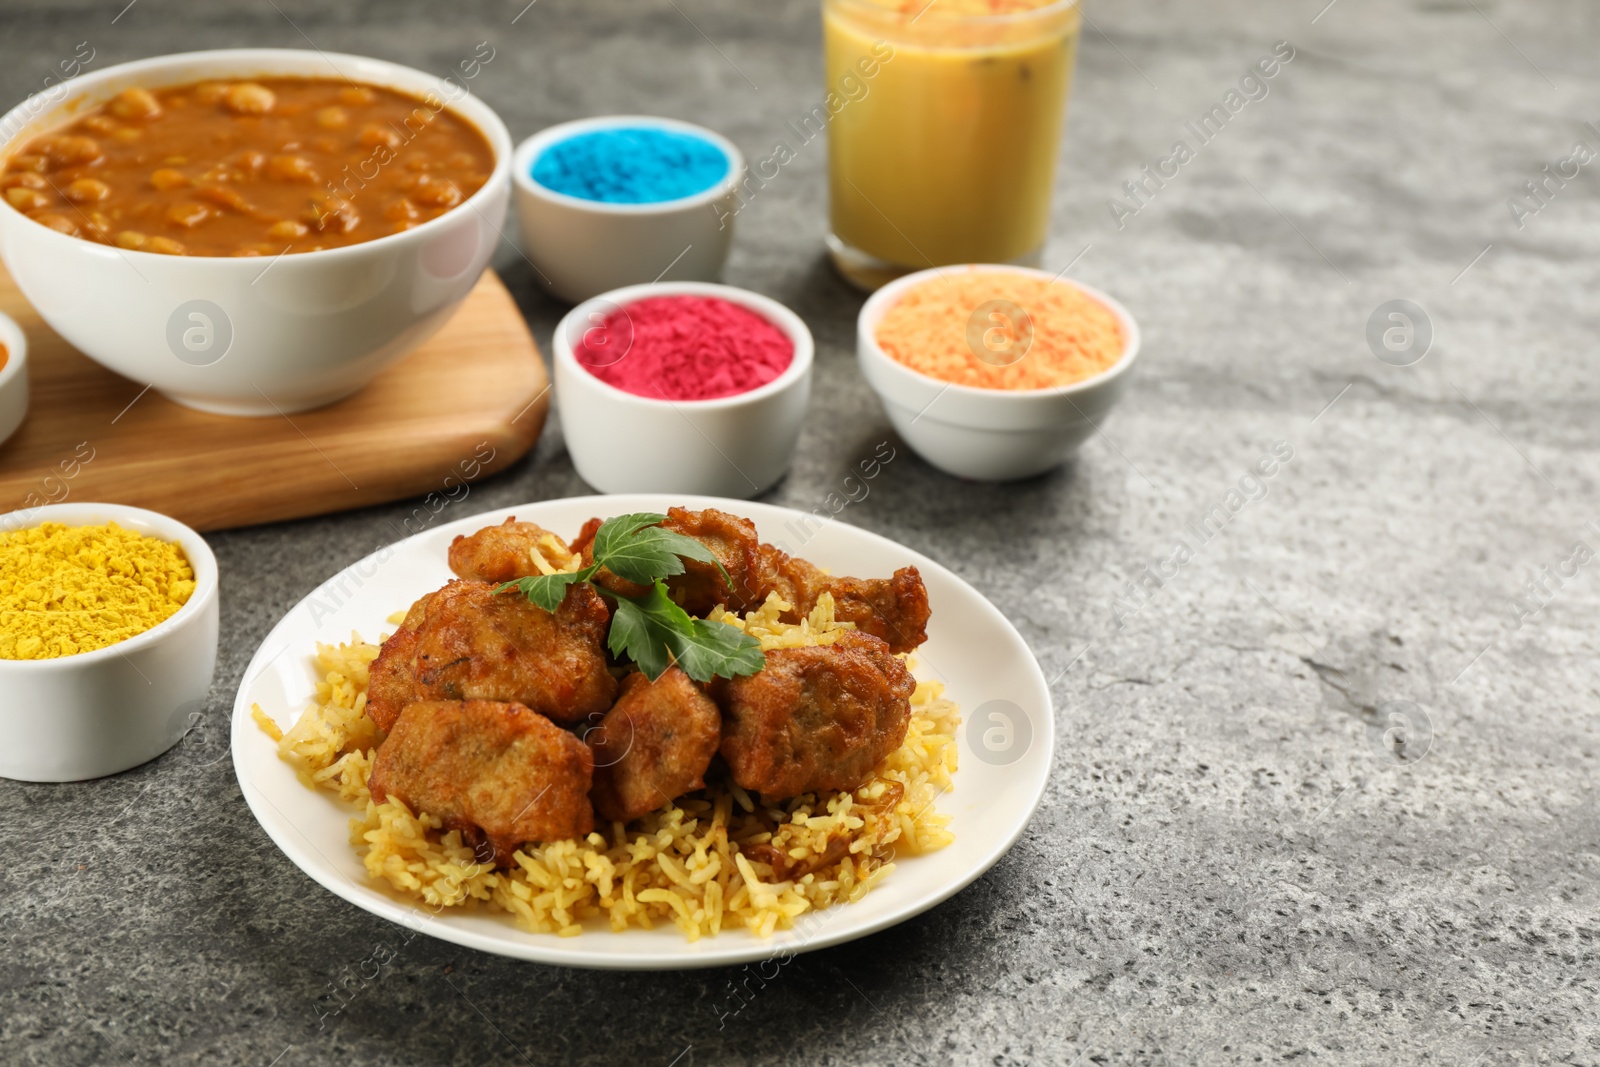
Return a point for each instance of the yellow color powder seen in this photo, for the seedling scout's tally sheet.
(963, 326)
(71, 589)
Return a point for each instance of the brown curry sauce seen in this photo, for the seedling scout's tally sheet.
(247, 168)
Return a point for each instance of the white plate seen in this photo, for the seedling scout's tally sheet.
(1006, 739)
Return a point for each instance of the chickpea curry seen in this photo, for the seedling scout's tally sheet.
(249, 168)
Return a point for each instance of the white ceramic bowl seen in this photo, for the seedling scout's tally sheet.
(104, 711)
(989, 434)
(13, 377)
(735, 446)
(252, 336)
(582, 248)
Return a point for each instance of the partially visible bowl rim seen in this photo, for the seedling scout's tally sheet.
(786, 320)
(88, 81)
(17, 355)
(204, 564)
(879, 302)
(528, 150)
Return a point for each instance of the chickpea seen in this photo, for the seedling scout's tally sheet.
(226, 196)
(401, 210)
(250, 160)
(29, 162)
(187, 214)
(127, 135)
(436, 192)
(24, 180)
(210, 92)
(166, 179)
(374, 136)
(356, 96)
(58, 223)
(100, 124)
(248, 98)
(131, 239)
(68, 151)
(165, 245)
(291, 169)
(26, 199)
(79, 150)
(86, 191)
(333, 214)
(331, 118)
(288, 230)
(135, 103)
(99, 224)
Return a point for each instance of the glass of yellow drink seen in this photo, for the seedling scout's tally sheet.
(945, 150)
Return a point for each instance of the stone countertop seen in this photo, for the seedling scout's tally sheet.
(1229, 865)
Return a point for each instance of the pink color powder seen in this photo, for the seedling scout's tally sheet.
(685, 348)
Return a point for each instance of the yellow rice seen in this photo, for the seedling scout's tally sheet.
(686, 863)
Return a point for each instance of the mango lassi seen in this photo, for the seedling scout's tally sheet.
(950, 155)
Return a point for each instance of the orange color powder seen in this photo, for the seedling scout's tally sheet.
(1000, 330)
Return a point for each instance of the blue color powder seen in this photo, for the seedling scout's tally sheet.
(631, 165)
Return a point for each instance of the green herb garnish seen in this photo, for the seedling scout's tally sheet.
(651, 630)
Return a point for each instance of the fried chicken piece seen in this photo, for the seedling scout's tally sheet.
(499, 773)
(392, 677)
(815, 719)
(479, 645)
(654, 746)
(895, 609)
(733, 541)
(583, 544)
(471, 643)
(507, 552)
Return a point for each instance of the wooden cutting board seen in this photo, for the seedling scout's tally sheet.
(467, 403)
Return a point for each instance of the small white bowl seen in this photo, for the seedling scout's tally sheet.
(100, 712)
(582, 248)
(734, 446)
(13, 377)
(274, 335)
(989, 435)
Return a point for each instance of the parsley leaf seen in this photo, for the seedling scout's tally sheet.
(649, 628)
(547, 590)
(619, 528)
(639, 628)
(715, 648)
(635, 548)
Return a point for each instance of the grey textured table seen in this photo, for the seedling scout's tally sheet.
(1230, 864)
